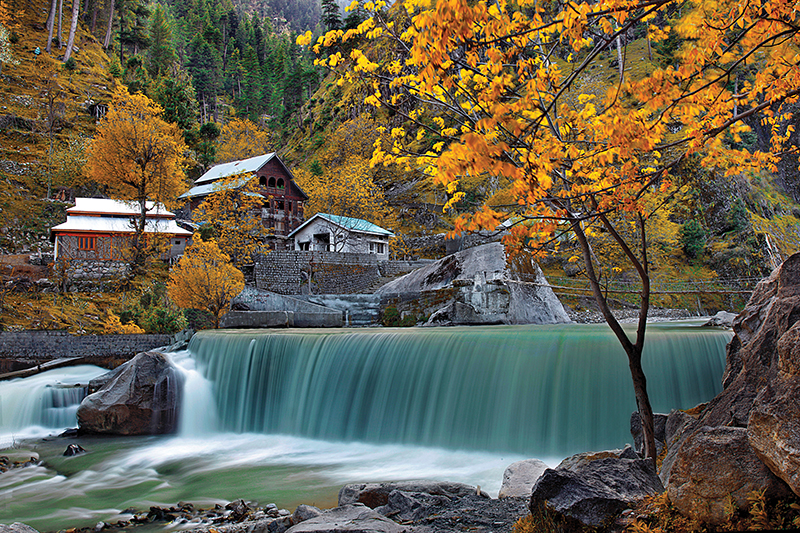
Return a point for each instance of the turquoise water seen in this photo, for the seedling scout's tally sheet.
(290, 416)
(535, 390)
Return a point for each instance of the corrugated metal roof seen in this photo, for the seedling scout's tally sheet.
(208, 188)
(348, 223)
(234, 167)
(79, 223)
(116, 207)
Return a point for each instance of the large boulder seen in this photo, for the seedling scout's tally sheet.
(479, 286)
(773, 429)
(520, 477)
(715, 466)
(594, 491)
(353, 518)
(758, 383)
(141, 397)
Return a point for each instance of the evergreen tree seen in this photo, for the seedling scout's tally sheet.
(331, 16)
(175, 94)
(161, 54)
(204, 66)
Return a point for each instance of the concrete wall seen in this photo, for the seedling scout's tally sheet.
(27, 348)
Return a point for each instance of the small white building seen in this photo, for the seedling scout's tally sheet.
(99, 229)
(333, 233)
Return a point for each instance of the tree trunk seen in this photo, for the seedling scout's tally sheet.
(107, 40)
(60, 18)
(632, 350)
(76, 5)
(93, 24)
(51, 20)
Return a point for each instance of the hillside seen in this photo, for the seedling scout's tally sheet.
(236, 61)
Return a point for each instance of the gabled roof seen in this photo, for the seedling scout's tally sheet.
(108, 206)
(94, 224)
(358, 225)
(204, 185)
(234, 167)
(101, 215)
(214, 186)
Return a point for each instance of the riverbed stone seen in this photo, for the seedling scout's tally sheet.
(520, 477)
(351, 518)
(595, 491)
(140, 398)
(714, 467)
(17, 527)
(377, 494)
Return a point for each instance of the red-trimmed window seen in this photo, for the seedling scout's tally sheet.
(87, 243)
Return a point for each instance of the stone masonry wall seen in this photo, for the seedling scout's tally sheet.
(34, 347)
(289, 272)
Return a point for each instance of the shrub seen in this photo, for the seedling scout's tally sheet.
(693, 238)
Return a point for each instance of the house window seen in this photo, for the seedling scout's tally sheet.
(304, 246)
(262, 180)
(280, 183)
(178, 242)
(371, 247)
(279, 226)
(272, 182)
(87, 243)
(279, 205)
(380, 247)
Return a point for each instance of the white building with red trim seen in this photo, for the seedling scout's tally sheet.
(99, 229)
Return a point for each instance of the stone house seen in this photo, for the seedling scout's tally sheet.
(283, 199)
(95, 239)
(332, 233)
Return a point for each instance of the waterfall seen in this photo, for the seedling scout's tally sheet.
(38, 405)
(534, 390)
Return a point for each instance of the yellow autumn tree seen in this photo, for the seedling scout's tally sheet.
(233, 210)
(138, 157)
(240, 139)
(503, 89)
(204, 278)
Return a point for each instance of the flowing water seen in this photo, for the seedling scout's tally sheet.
(289, 416)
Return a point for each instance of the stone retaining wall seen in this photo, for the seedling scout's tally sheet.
(27, 348)
(288, 272)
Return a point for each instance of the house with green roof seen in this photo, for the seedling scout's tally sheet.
(333, 233)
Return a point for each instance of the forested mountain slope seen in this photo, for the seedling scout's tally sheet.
(208, 61)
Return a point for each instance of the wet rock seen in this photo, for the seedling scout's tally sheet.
(713, 466)
(376, 494)
(239, 510)
(352, 518)
(410, 506)
(17, 527)
(305, 512)
(520, 477)
(595, 491)
(141, 397)
(659, 427)
(73, 450)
